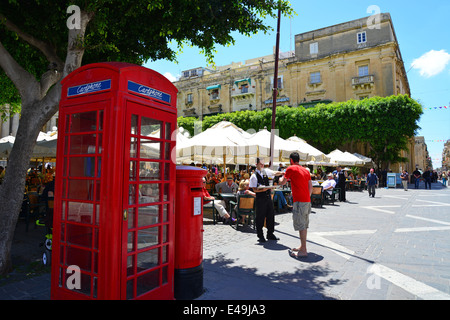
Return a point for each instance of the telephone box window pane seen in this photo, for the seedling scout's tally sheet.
(151, 127)
(167, 171)
(148, 215)
(132, 194)
(168, 151)
(80, 212)
(133, 148)
(83, 144)
(150, 149)
(166, 192)
(100, 143)
(149, 193)
(147, 260)
(165, 254)
(134, 124)
(81, 189)
(149, 171)
(100, 120)
(165, 211)
(79, 257)
(130, 244)
(130, 265)
(97, 214)
(84, 122)
(168, 131)
(82, 167)
(165, 234)
(131, 218)
(148, 237)
(85, 284)
(130, 289)
(79, 235)
(165, 272)
(147, 282)
(133, 169)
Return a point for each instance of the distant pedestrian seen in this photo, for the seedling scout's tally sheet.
(416, 175)
(372, 182)
(301, 187)
(444, 178)
(427, 177)
(341, 176)
(404, 176)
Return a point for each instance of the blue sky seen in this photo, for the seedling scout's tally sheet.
(422, 31)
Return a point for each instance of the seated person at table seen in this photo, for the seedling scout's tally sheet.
(329, 184)
(313, 180)
(218, 204)
(278, 196)
(244, 188)
(227, 187)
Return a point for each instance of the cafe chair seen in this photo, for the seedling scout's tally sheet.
(245, 207)
(329, 197)
(316, 195)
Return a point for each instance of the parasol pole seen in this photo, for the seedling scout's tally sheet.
(275, 91)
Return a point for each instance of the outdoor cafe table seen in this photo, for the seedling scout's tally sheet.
(228, 197)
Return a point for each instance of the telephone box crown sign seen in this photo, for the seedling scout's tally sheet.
(89, 88)
(147, 91)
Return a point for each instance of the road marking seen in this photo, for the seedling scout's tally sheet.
(406, 283)
(420, 229)
(344, 233)
(396, 197)
(409, 284)
(426, 219)
(377, 208)
(338, 249)
(433, 204)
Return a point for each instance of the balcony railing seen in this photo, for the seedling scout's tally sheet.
(357, 81)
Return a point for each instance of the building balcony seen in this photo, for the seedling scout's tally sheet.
(243, 93)
(190, 112)
(363, 81)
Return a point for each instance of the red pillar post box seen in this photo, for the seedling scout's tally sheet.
(113, 227)
(189, 233)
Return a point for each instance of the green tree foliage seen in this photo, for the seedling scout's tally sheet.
(386, 124)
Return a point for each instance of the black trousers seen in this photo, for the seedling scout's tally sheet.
(264, 210)
(341, 192)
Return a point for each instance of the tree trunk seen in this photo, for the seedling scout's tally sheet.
(12, 188)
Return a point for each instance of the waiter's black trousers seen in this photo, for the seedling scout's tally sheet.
(264, 210)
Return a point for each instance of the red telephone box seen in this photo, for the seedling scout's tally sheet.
(113, 227)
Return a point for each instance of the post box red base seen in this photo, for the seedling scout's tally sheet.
(188, 283)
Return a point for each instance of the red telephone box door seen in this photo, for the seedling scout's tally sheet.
(148, 204)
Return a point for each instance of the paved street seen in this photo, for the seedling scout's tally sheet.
(393, 246)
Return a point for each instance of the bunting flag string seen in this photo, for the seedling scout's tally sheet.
(437, 108)
(437, 140)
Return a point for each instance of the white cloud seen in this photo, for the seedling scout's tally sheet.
(169, 76)
(431, 63)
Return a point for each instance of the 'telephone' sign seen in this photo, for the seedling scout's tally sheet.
(147, 91)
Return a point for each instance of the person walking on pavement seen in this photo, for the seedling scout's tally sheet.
(405, 177)
(427, 177)
(416, 175)
(372, 181)
(301, 187)
(342, 176)
(263, 201)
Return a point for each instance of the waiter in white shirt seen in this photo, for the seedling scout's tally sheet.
(264, 203)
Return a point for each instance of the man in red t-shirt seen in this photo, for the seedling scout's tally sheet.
(301, 187)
